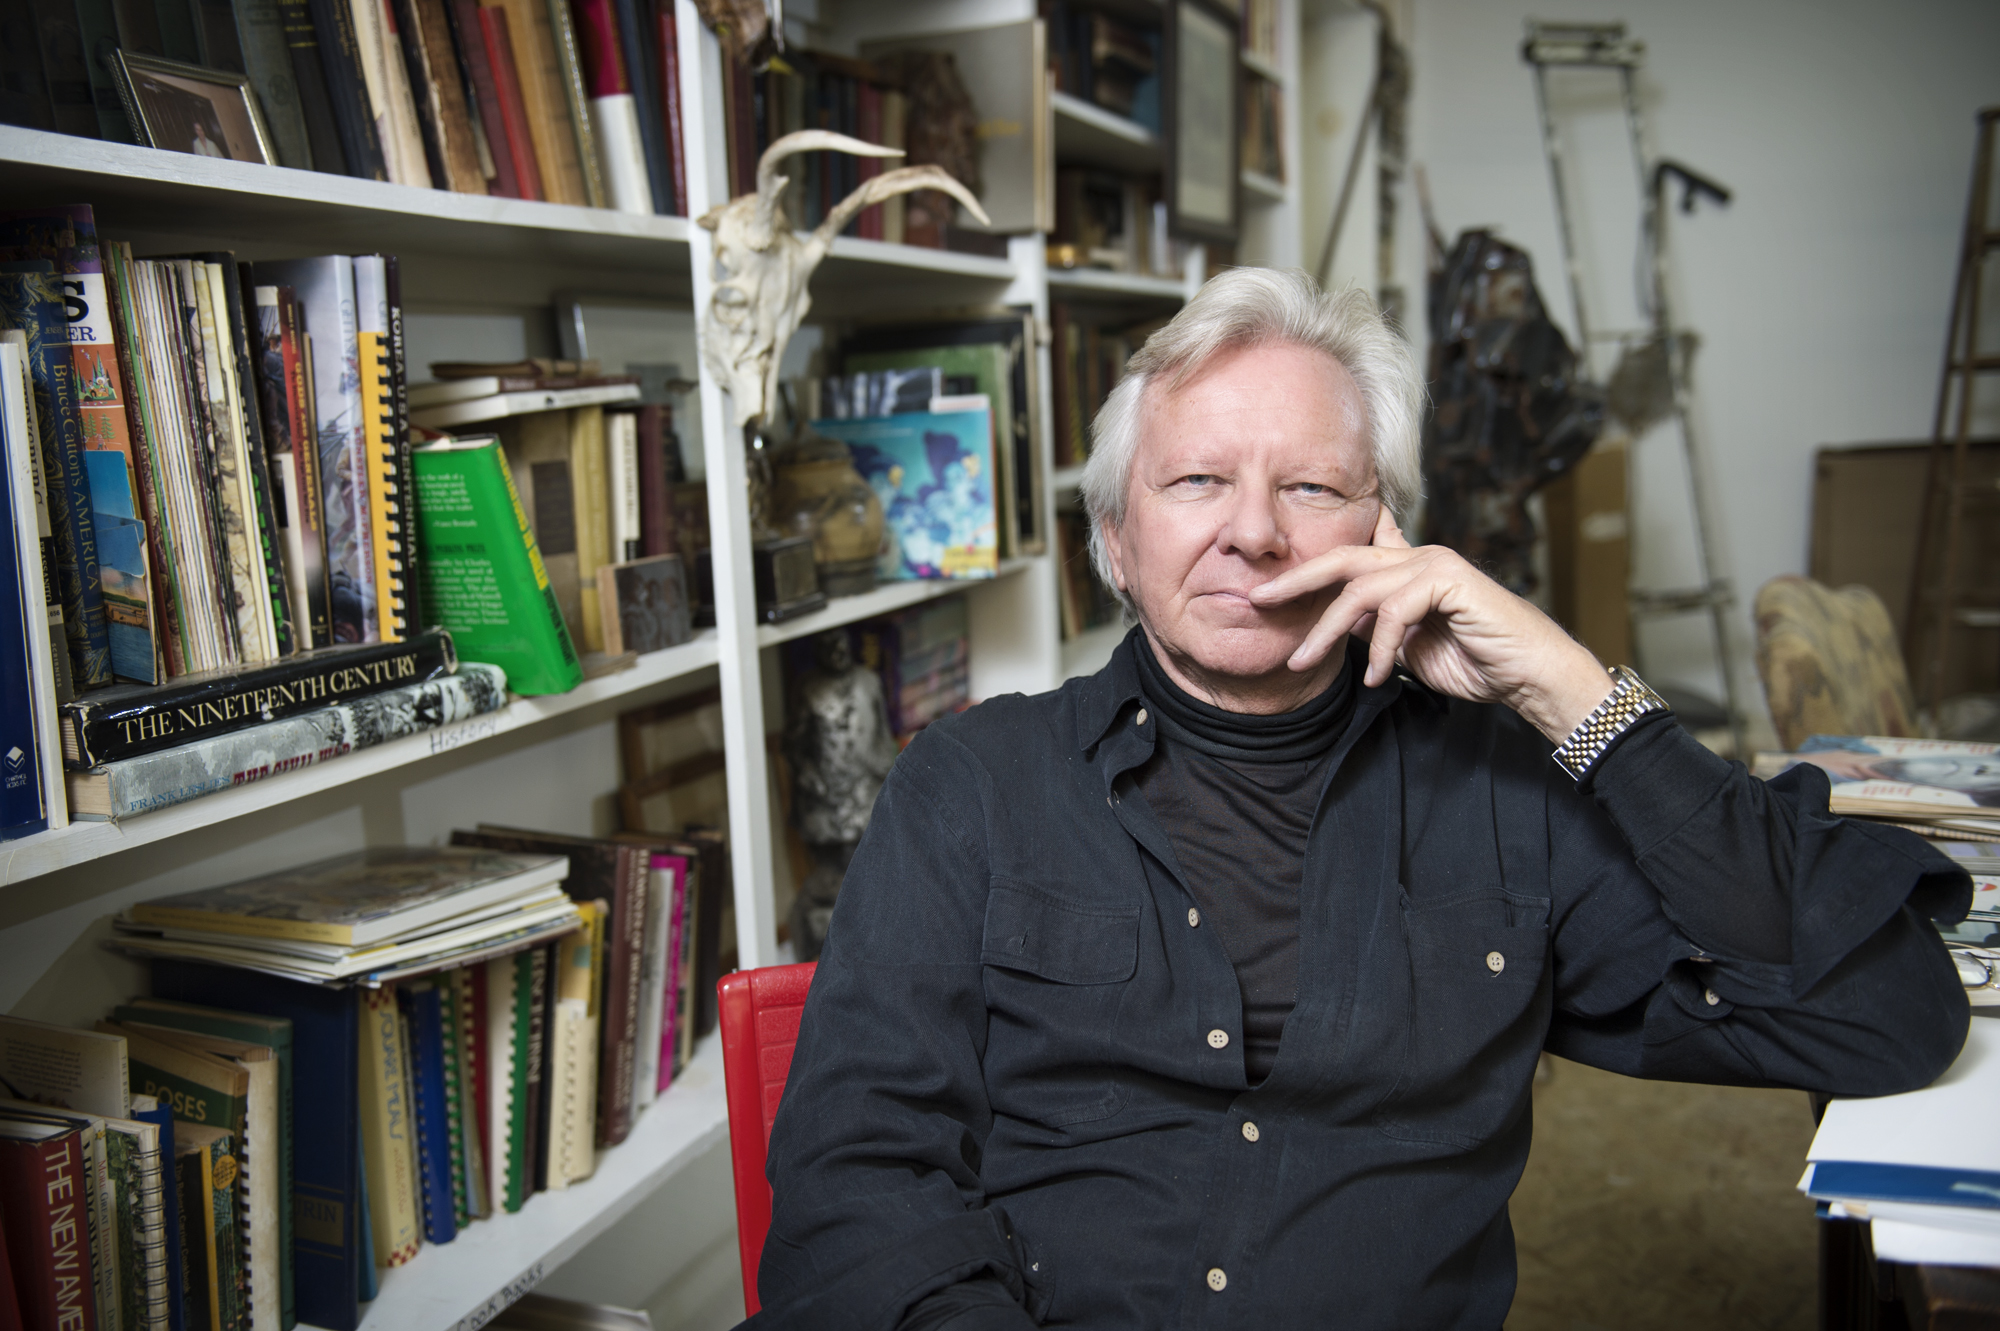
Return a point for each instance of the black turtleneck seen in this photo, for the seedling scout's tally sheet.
(1236, 794)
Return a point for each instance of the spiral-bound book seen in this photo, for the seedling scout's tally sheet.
(388, 527)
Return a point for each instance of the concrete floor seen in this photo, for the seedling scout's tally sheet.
(1652, 1205)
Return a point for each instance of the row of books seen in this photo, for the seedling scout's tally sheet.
(923, 655)
(1088, 355)
(573, 101)
(1105, 60)
(1113, 221)
(351, 1060)
(1263, 127)
(1945, 790)
(1083, 601)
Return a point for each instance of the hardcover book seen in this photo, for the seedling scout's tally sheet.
(388, 1131)
(294, 461)
(362, 898)
(42, 1193)
(645, 605)
(423, 1023)
(28, 684)
(206, 767)
(483, 572)
(125, 722)
(29, 504)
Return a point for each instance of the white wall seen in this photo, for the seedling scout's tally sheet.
(1821, 293)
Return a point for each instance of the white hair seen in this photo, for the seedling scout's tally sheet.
(1246, 307)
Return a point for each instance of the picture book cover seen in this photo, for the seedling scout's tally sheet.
(1878, 774)
(933, 472)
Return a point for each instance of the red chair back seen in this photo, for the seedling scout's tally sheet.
(759, 1014)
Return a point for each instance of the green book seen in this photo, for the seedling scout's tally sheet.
(454, 1100)
(483, 576)
(250, 1028)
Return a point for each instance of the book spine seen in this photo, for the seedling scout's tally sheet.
(44, 1190)
(24, 804)
(676, 975)
(500, 58)
(387, 1130)
(276, 588)
(388, 89)
(569, 64)
(670, 97)
(267, 59)
(634, 51)
(97, 29)
(537, 66)
(301, 409)
(621, 430)
(149, 1212)
(62, 50)
(615, 111)
(451, 1063)
(162, 1117)
(408, 40)
(280, 451)
(472, 1063)
(536, 1132)
(220, 1168)
(139, 723)
(378, 408)
(222, 470)
(191, 771)
(520, 1007)
(353, 117)
(441, 96)
(322, 128)
(625, 946)
(431, 1112)
(406, 557)
(468, 37)
(655, 481)
(31, 489)
(590, 498)
(144, 435)
(32, 302)
(201, 1307)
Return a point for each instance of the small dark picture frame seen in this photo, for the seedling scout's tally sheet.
(1203, 71)
(189, 109)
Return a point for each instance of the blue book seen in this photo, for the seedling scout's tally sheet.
(23, 807)
(326, 1124)
(423, 1009)
(170, 1213)
(370, 1282)
(1867, 1181)
(933, 472)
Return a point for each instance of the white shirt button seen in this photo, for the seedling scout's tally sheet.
(1194, 918)
(1218, 1039)
(1250, 1133)
(1495, 962)
(1710, 997)
(1218, 1279)
(1140, 719)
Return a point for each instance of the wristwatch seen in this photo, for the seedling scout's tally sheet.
(1630, 699)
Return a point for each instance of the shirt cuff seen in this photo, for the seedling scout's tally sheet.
(980, 1304)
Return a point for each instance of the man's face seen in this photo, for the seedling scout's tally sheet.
(1257, 464)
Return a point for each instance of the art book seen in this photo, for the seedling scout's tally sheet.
(933, 472)
(1952, 782)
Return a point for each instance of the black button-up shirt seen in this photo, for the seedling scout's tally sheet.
(1021, 1063)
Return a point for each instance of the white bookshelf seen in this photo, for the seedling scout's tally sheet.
(1089, 135)
(886, 599)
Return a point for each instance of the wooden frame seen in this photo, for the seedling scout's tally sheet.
(168, 113)
(1202, 103)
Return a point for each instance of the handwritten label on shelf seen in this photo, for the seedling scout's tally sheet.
(503, 1299)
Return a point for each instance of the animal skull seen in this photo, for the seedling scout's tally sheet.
(761, 267)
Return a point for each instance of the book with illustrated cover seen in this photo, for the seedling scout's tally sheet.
(388, 1129)
(484, 577)
(1950, 782)
(361, 898)
(125, 722)
(204, 767)
(934, 474)
(33, 303)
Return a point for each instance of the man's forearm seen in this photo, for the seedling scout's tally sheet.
(979, 1304)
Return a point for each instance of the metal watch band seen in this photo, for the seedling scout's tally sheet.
(1630, 699)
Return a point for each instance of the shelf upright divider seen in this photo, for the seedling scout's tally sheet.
(747, 771)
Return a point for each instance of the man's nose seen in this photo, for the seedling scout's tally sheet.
(1254, 528)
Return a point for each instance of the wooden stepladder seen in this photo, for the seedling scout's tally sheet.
(1942, 600)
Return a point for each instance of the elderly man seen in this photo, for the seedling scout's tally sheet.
(1207, 991)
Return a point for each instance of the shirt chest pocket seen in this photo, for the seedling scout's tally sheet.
(1055, 978)
(1478, 1011)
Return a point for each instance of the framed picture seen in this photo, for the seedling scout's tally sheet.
(1203, 143)
(189, 109)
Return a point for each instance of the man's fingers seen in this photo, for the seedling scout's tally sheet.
(1351, 612)
(1337, 565)
(1396, 616)
(1387, 534)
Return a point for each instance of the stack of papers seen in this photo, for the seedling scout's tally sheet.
(369, 917)
(1946, 790)
(1922, 1168)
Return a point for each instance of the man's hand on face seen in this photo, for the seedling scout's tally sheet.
(1450, 625)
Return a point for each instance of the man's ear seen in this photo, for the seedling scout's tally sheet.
(1114, 551)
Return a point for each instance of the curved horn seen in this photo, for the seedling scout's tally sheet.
(887, 186)
(769, 182)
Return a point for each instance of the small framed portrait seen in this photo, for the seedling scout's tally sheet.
(189, 109)
(1202, 68)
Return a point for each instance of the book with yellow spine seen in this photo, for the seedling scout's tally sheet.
(388, 531)
(388, 1131)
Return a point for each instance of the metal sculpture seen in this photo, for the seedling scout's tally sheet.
(762, 267)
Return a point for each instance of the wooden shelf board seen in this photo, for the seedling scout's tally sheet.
(1126, 285)
(1262, 188)
(80, 842)
(889, 597)
(1089, 135)
(464, 1284)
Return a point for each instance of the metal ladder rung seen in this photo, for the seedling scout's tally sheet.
(1978, 365)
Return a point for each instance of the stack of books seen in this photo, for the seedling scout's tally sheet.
(1945, 790)
(575, 102)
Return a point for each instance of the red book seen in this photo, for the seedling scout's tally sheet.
(597, 35)
(670, 91)
(519, 144)
(485, 93)
(656, 469)
(868, 128)
(10, 1303)
(45, 1195)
